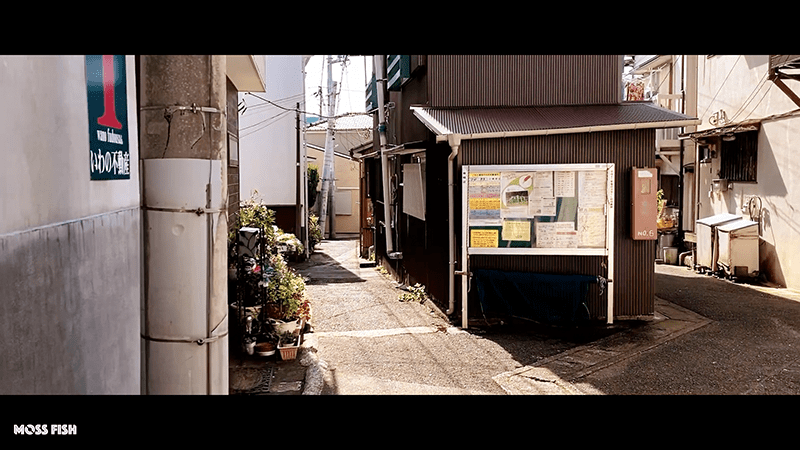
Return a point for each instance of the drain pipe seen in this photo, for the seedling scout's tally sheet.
(380, 80)
(455, 143)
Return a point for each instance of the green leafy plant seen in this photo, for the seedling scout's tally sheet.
(255, 214)
(314, 231)
(288, 339)
(288, 242)
(285, 287)
(415, 293)
(313, 180)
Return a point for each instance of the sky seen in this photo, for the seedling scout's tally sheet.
(352, 77)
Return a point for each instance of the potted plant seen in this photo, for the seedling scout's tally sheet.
(286, 288)
(288, 344)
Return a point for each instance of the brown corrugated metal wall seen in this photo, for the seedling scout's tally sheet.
(523, 80)
(634, 260)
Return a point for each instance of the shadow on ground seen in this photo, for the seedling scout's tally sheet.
(320, 268)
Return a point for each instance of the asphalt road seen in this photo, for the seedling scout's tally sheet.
(710, 336)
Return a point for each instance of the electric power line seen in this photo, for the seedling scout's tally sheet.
(720, 86)
(263, 124)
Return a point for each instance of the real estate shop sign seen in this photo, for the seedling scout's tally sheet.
(109, 156)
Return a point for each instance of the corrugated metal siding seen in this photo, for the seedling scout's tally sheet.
(524, 80)
(511, 119)
(634, 279)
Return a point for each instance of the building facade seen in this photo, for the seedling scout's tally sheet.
(744, 150)
(73, 252)
(71, 245)
(450, 112)
(352, 133)
(272, 154)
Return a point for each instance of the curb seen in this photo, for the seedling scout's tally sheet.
(316, 369)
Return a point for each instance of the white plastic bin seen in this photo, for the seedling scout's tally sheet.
(707, 239)
(738, 248)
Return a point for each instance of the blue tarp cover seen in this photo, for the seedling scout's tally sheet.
(554, 299)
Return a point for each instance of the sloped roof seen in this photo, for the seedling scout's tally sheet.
(354, 122)
(477, 123)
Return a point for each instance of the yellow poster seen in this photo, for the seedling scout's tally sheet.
(483, 238)
(516, 230)
(484, 203)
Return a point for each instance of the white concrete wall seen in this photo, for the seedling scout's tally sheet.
(268, 134)
(739, 84)
(43, 123)
(69, 246)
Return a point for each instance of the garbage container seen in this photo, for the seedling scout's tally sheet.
(738, 248)
(707, 239)
(671, 255)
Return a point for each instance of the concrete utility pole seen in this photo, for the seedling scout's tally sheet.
(380, 86)
(183, 132)
(328, 169)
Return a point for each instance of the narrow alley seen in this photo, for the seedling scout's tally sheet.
(709, 336)
(371, 342)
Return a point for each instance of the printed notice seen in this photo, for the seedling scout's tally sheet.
(484, 198)
(483, 238)
(592, 226)
(485, 203)
(542, 207)
(516, 189)
(592, 187)
(556, 235)
(543, 184)
(516, 230)
(565, 184)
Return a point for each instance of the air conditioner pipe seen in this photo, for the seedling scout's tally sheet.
(455, 143)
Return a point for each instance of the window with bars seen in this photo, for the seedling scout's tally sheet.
(739, 158)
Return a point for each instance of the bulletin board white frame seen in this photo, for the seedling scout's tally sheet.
(607, 250)
(608, 168)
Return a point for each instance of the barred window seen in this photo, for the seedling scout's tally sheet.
(739, 158)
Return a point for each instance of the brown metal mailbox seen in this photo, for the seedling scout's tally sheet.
(644, 203)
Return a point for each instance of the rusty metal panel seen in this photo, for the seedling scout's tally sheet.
(634, 278)
(778, 61)
(523, 80)
(644, 204)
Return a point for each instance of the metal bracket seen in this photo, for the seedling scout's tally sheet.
(777, 78)
(199, 341)
(169, 111)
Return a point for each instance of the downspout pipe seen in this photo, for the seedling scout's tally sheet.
(455, 143)
(380, 80)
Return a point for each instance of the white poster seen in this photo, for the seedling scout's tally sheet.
(565, 184)
(556, 235)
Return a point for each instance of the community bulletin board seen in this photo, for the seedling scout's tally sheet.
(558, 209)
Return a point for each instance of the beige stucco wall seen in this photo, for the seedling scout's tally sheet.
(346, 176)
(738, 84)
